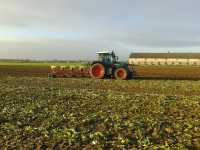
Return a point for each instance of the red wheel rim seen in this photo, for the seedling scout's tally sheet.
(97, 71)
(121, 74)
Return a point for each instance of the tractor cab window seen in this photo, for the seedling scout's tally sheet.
(106, 58)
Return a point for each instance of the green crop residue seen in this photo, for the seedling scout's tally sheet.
(42, 113)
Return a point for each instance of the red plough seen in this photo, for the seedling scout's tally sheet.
(67, 72)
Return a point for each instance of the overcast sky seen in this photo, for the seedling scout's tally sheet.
(77, 29)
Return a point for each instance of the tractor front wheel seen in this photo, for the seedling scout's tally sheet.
(97, 71)
(121, 74)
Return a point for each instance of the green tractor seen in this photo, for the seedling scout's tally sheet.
(108, 66)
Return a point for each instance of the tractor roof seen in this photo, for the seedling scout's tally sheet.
(105, 52)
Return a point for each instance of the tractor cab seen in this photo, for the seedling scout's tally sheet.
(107, 57)
(107, 65)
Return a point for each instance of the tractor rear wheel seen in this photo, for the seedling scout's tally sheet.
(121, 74)
(97, 71)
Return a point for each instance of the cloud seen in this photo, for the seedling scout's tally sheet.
(65, 28)
(50, 49)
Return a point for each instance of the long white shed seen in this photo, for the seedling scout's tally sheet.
(164, 59)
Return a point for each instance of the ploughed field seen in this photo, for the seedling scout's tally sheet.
(33, 69)
(40, 113)
(165, 72)
(18, 71)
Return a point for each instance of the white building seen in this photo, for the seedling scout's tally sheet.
(165, 59)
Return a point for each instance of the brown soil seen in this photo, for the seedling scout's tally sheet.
(171, 72)
(17, 71)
